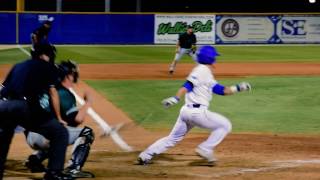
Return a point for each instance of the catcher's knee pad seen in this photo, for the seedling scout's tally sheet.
(88, 134)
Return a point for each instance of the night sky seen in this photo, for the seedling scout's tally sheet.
(258, 6)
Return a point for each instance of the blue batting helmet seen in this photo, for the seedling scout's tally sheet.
(207, 55)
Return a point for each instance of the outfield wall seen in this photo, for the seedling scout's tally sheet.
(72, 28)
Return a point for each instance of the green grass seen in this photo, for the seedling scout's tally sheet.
(276, 104)
(164, 54)
(11, 56)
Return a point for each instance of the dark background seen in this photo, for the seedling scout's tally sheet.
(256, 6)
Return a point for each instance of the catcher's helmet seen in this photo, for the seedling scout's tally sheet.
(68, 67)
(207, 55)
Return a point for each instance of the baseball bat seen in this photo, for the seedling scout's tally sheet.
(106, 129)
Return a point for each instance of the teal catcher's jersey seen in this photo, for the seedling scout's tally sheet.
(68, 106)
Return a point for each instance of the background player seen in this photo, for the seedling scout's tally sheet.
(80, 137)
(186, 45)
(198, 91)
(40, 35)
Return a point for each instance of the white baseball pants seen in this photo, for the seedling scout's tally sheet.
(189, 117)
(184, 51)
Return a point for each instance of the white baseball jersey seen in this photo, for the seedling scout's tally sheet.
(203, 81)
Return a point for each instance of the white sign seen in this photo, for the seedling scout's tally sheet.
(42, 18)
(244, 29)
(168, 27)
(299, 29)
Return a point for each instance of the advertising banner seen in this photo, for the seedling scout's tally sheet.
(168, 27)
(299, 29)
(245, 29)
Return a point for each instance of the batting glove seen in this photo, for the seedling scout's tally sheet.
(244, 86)
(170, 101)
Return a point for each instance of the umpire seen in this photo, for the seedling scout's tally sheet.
(27, 97)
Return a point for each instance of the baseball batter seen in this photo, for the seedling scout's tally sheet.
(198, 89)
(186, 45)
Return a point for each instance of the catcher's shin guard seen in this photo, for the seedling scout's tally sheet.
(81, 148)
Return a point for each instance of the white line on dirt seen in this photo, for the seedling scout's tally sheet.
(23, 50)
(275, 165)
(99, 150)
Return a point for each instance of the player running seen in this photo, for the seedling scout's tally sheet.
(186, 45)
(198, 89)
(80, 137)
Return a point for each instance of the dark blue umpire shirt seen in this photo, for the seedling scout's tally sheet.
(31, 80)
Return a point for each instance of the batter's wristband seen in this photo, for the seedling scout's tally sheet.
(177, 98)
(235, 88)
(238, 87)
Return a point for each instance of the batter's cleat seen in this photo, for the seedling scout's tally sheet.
(34, 164)
(75, 173)
(206, 155)
(142, 162)
(171, 72)
(53, 175)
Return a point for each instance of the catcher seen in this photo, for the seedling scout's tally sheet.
(186, 45)
(80, 137)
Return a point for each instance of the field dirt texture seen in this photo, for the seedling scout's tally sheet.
(241, 156)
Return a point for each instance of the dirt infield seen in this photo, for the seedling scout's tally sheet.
(160, 71)
(3, 47)
(241, 156)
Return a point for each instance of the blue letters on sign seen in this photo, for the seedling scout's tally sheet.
(293, 27)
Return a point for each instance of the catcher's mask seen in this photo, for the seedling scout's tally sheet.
(68, 67)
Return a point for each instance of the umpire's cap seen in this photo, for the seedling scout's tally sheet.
(207, 55)
(68, 67)
(47, 49)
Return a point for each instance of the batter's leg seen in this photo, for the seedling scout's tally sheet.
(220, 127)
(178, 132)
